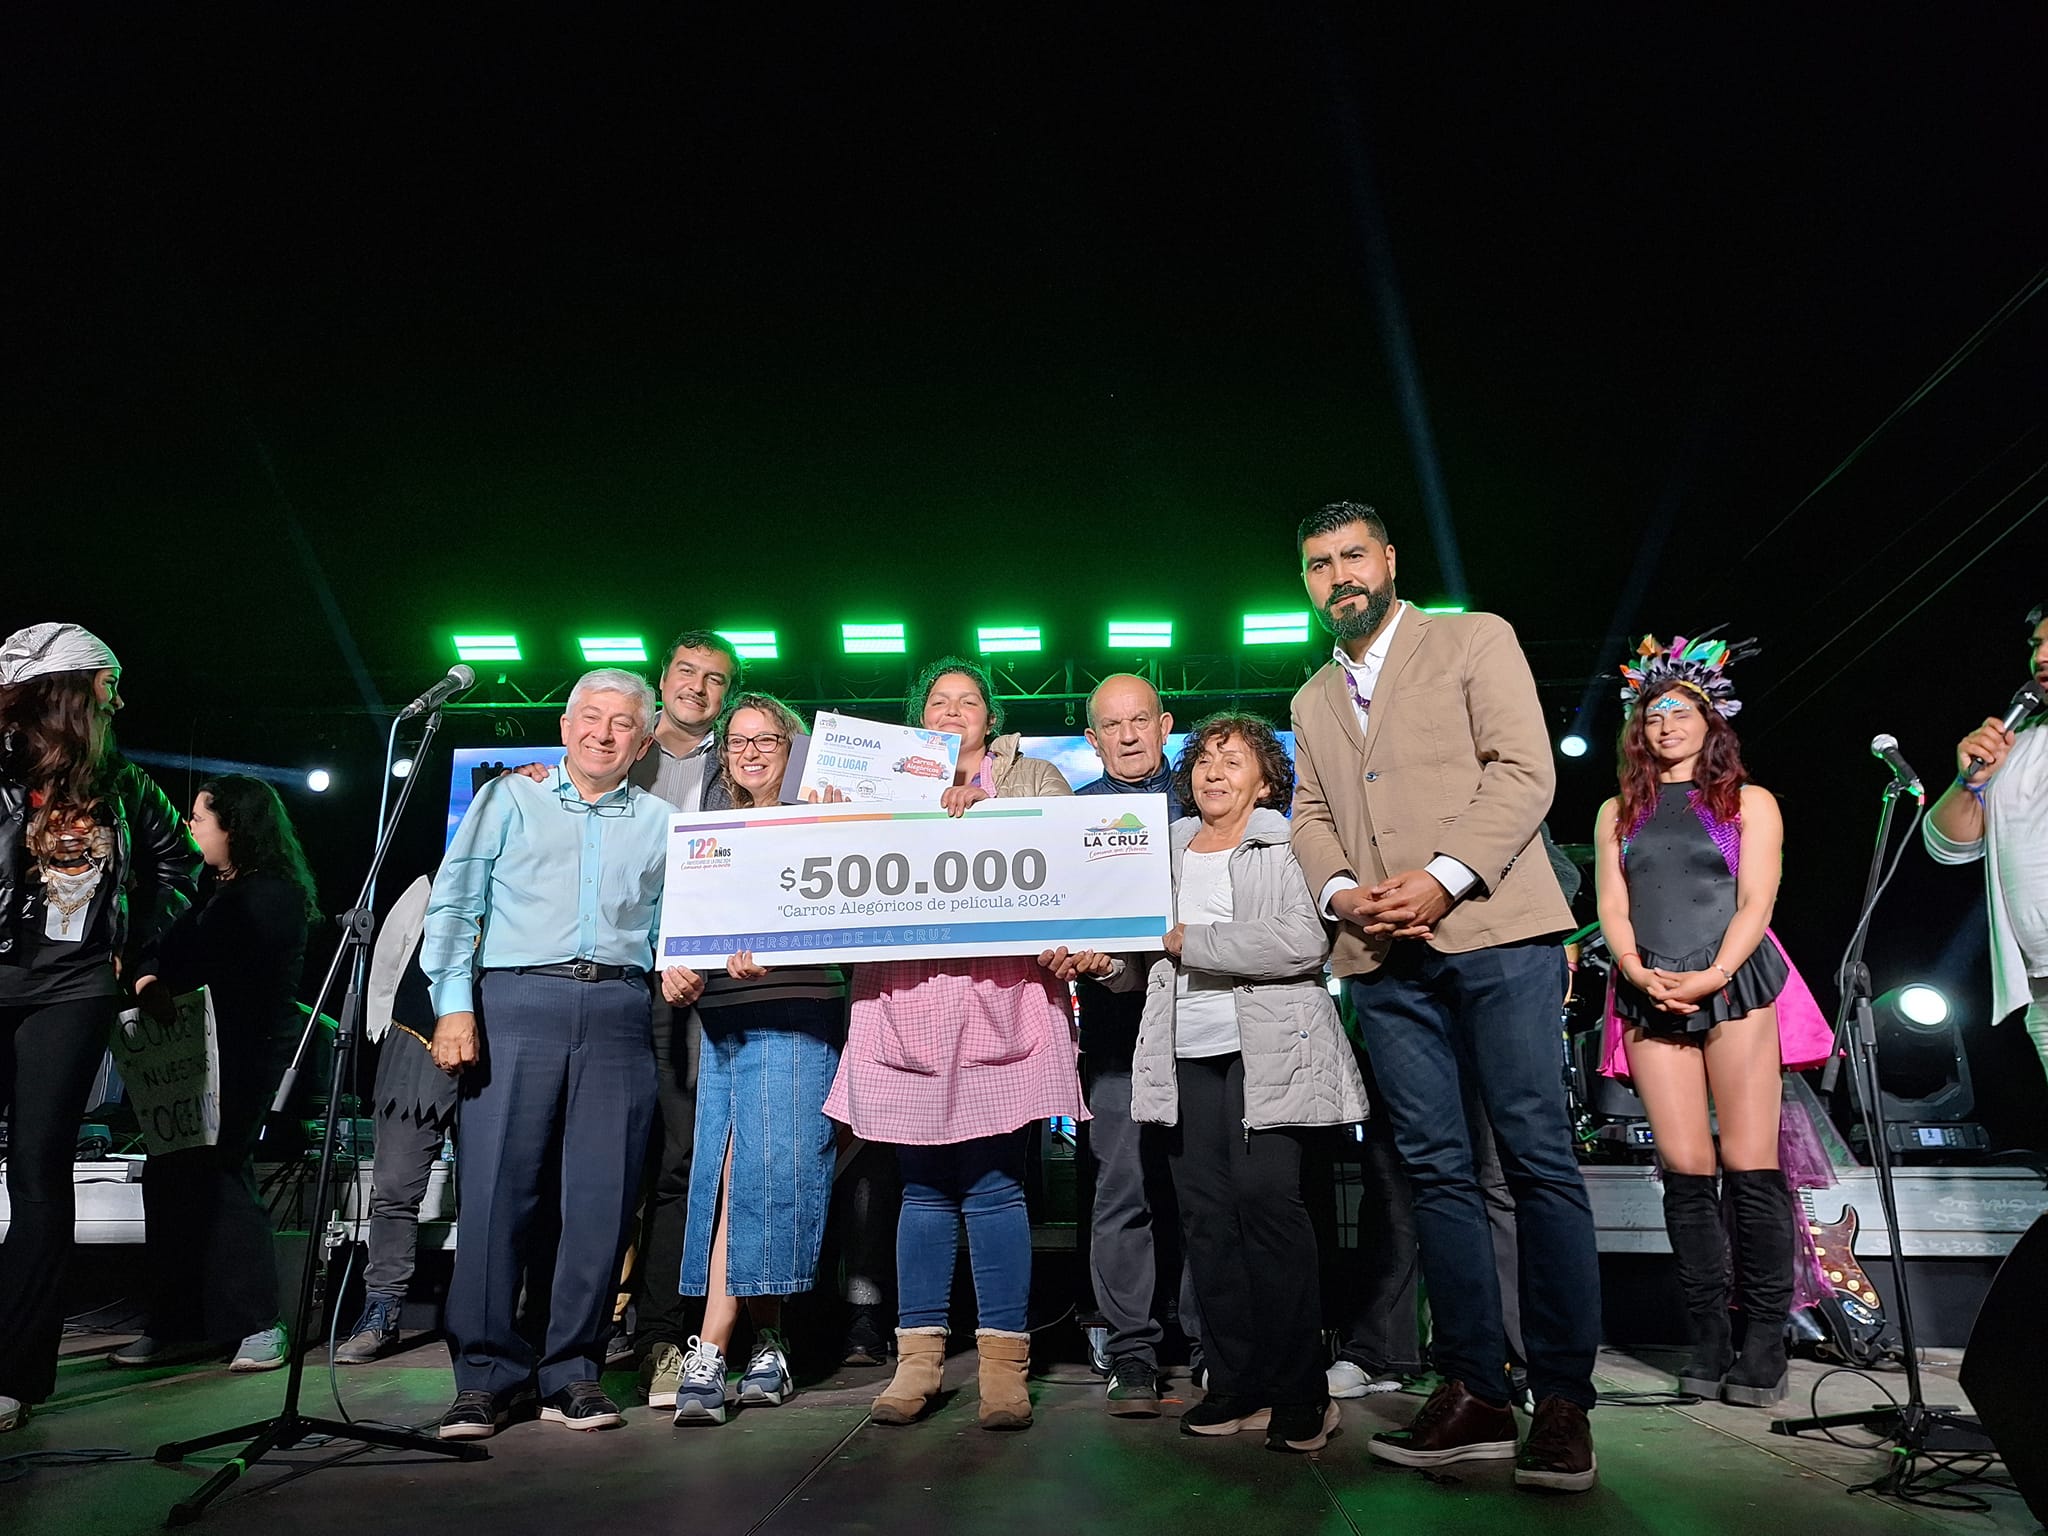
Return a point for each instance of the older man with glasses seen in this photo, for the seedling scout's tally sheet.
(539, 941)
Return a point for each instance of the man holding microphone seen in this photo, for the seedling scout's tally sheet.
(1997, 811)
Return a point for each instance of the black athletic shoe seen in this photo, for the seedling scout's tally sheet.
(1301, 1427)
(1133, 1388)
(1220, 1414)
(867, 1341)
(478, 1415)
(581, 1405)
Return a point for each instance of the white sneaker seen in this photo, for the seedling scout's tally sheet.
(767, 1380)
(1348, 1379)
(150, 1350)
(263, 1350)
(700, 1395)
(13, 1411)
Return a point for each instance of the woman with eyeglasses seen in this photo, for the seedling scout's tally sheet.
(209, 1243)
(94, 865)
(950, 1061)
(761, 1176)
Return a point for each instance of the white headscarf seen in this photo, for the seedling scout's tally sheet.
(43, 649)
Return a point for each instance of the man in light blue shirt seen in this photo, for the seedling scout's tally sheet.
(539, 941)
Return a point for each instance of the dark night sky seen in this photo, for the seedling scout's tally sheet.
(1033, 314)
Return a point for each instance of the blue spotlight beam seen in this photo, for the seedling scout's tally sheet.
(206, 767)
(1390, 310)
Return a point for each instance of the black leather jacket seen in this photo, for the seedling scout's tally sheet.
(154, 870)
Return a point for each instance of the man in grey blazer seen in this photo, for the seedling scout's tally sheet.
(1424, 771)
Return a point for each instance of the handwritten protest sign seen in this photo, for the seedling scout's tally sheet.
(173, 1073)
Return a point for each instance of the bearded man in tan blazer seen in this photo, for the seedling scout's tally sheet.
(1424, 771)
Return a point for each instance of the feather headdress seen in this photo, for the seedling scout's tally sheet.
(1698, 665)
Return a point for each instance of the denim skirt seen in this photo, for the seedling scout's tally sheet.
(761, 1086)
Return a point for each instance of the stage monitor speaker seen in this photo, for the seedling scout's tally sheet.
(2006, 1364)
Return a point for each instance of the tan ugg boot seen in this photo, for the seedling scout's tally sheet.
(1005, 1365)
(920, 1361)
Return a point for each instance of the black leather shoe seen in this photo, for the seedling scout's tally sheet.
(581, 1405)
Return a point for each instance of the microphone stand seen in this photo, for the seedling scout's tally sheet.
(290, 1427)
(287, 1085)
(1913, 1426)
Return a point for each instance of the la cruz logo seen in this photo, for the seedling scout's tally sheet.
(1115, 837)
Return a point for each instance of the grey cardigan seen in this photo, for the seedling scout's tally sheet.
(1298, 1066)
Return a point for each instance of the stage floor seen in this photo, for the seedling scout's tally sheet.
(816, 1464)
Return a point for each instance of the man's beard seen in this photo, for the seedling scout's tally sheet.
(1356, 623)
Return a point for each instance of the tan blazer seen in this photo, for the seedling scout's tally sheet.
(1457, 761)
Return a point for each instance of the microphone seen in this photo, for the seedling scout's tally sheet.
(1886, 748)
(460, 680)
(2026, 704)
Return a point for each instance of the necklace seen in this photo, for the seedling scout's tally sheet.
(67, 893)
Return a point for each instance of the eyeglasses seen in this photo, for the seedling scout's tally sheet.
(576, 805)
(766, 743)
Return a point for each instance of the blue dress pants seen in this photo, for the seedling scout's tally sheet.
(567, 1075)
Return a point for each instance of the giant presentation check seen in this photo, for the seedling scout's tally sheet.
(854, 882)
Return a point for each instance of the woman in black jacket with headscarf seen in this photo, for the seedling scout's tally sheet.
(93, 867)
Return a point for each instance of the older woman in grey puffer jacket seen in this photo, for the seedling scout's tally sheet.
(1240, 1049)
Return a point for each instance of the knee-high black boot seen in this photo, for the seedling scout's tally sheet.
(1763, 1283)
(1692, 1217)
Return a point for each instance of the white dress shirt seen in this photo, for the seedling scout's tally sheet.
(1363, 676)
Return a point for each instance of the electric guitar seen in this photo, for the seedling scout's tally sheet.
(1850, 1319)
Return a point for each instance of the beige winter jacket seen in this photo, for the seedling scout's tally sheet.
(1298, 1066)
(1017, 775)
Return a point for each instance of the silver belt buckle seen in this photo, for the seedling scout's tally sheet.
(583, 970)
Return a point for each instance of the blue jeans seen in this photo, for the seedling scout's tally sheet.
(1432, 1022)
(983, 1181)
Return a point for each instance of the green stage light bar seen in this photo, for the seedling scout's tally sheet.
(1444, 608)
(487, 648)
(997, 638)
(612, 649)
(753, 644)
(872, 639)
(1276, 629)
(1140, 634)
